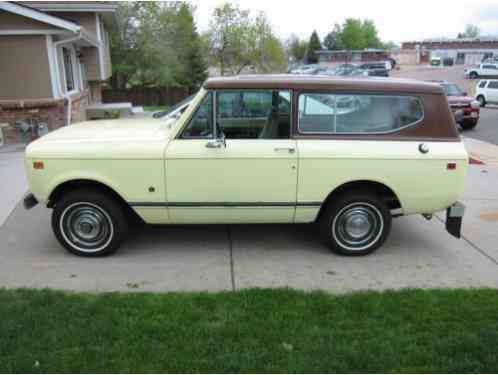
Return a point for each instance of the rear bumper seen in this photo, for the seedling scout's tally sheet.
(29, 201)
(454, 217)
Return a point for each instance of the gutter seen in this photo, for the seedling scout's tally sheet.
(66, 96)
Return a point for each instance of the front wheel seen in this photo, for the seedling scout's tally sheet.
(355, 224)
(89, 223)
(482, 101)
(468, 124)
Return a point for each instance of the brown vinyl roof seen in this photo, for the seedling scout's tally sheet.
(318, 82)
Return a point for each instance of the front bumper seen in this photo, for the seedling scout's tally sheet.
(29, 201)
(454, 216)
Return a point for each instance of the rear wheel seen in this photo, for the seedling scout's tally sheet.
(89, 223)
(468, 124)
(481, 100)
(355, 223)
(473, 75)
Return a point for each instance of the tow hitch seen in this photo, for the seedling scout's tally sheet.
(454, 216)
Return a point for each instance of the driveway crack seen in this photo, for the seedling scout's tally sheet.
(473, 245)
(230, 246)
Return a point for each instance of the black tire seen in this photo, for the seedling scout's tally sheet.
(473, 75)
(359, 206)
(82, 215)
(468, 124)
(482, 101)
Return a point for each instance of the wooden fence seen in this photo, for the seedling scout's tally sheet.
(146, 96)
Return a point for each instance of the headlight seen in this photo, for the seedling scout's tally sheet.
(475, 104)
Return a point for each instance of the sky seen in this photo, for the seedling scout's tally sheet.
(396, 21)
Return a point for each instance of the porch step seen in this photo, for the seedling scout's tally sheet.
(109, 110)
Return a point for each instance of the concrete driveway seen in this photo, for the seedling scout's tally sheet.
(13, 184)
(419, 253)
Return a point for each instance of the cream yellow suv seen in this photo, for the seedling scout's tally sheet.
(349, 154)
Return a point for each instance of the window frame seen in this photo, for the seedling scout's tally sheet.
(346, 93)
(291, 112)
(214, 93)
(181, 136)
(74, 69)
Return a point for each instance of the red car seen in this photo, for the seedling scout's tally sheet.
(465, 108)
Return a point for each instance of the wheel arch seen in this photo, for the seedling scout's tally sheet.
(379, 188)
(79, 183)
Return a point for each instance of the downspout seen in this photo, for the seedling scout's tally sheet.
(66, 96)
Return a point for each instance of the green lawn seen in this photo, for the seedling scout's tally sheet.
(249, 331)
(155, 108)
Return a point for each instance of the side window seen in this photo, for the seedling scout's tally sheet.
(482, 84)
(201, 123)
(493, 85)
(359, 113)
(255, 114)
(317, 113)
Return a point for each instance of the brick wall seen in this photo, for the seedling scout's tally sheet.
(51, 112)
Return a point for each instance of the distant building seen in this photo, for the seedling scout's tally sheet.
(466, 51)
(327, 57)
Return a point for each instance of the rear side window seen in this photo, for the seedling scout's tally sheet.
(493, 85)
(482, 84)
(342, 114)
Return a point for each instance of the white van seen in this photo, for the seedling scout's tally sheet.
(487, 92)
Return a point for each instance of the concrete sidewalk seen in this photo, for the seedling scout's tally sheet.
(419, 253)
(13, 183)
(482, 151)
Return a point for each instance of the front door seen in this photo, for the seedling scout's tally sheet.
(234, 162)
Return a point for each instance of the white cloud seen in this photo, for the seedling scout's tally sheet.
(396, 20)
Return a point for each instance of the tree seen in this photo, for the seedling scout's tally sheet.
(236, 40)
(156, 44)
(370, 35)
(313, 46)
(353, 34)
(296, 48)
(471, 31)
(332, 40)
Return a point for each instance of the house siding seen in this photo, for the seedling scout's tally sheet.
(9, 21)
(87, 20)
(25, 68)
(91, 61)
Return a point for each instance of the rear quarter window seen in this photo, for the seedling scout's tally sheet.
(357, 114)
(493, 85)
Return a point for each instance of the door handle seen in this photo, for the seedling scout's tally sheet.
(290, 150)
(214, 144)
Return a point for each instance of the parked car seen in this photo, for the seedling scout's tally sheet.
(482, 70)
(487, 92)
(465, 108)
(376, 69)
(436, 61)
(490, 60)
(305, 69)
(352, 155)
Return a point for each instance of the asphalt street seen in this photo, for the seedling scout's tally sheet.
(487, 127)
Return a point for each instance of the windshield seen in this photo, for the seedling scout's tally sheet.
(452, 90)
(175, 107)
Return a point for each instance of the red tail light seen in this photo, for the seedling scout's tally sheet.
(451, 166)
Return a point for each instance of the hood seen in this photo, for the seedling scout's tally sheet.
(460, 100)
(130, 138)
(112, 130)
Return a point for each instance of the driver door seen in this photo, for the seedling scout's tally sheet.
(234, 162)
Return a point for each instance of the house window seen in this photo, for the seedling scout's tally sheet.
(68, 69)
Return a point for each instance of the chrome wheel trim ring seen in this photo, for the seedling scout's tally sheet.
(357, 226)
(86, 227)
